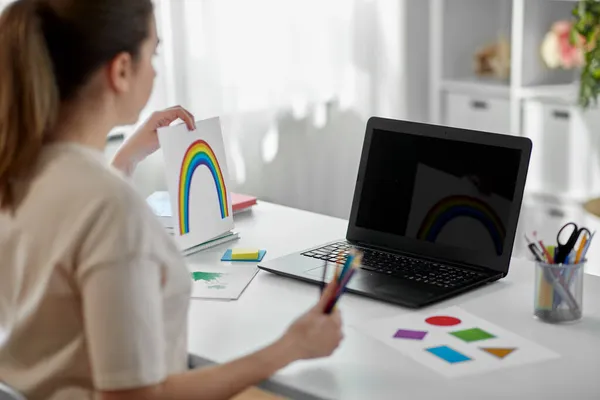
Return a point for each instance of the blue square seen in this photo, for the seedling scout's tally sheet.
(448, 354)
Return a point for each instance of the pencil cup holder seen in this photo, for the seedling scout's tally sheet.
(558, 292)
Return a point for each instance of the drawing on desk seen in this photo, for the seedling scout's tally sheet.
(223, 283)
(212, 280)
(446, 349)
(197, 179)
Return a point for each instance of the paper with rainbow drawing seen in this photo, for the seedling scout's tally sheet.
(198, 181)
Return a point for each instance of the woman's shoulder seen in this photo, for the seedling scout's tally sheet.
(85, 194)
(73, 187)
(75, 172)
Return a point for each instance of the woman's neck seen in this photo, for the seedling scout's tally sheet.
(85, 125)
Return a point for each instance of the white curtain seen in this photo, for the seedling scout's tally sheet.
(231, 56)
(294, 82)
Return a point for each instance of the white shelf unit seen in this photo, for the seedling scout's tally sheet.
(534, 101)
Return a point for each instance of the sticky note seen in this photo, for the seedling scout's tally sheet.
(244, 254)
(228, 256)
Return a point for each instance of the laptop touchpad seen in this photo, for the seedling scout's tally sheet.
(398, 290)
(318, 272)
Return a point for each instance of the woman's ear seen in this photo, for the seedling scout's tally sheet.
(120, 73)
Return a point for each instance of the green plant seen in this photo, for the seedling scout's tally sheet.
(587, 26)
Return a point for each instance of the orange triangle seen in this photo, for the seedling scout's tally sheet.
(498, 352)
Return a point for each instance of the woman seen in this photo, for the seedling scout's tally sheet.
(93, 293)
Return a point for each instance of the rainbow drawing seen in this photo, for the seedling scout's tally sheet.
(453, 207)
(199, 153)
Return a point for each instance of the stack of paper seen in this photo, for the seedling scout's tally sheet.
(197, 209)
(219, 240)
(160, 204)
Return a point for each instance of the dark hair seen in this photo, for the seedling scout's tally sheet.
(48, 51)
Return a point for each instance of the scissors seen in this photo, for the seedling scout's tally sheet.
(564, 248)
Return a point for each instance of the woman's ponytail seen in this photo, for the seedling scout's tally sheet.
(29, 97)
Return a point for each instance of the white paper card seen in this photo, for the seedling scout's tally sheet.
(477, 346)
(198, 181)
(160, 203)
(224, 283)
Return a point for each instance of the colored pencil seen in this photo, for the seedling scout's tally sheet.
(549, 258)
(345, 280)
(347, 264)
(340, 260)
(581, 247)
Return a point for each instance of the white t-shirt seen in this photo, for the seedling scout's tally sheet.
(93, 292)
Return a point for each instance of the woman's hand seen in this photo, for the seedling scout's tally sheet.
(144, 141)
(316, 334)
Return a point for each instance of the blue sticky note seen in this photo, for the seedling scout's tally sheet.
(227, 257)
(448, 354)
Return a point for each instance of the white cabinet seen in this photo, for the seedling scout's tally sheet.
(477, 112)
(565, 155)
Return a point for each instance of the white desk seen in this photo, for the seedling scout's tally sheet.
(365, 369)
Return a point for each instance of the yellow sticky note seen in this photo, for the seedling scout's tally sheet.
(244, 254)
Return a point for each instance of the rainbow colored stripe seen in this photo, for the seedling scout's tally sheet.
(462, 206)
(199, 153)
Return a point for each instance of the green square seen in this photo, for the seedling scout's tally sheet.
(472, 335)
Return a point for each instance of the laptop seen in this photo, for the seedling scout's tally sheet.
(435, 212)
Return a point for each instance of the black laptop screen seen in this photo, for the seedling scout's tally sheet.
(452, 193)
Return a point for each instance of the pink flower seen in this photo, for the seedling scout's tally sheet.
(570, 55)
(557, 50)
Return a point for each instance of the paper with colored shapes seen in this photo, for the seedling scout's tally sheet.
(223, 283)
(198, 181)
(471, 346)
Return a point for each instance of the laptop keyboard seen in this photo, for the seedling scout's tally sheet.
(422, 271)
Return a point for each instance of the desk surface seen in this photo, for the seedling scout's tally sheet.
(363, 368)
